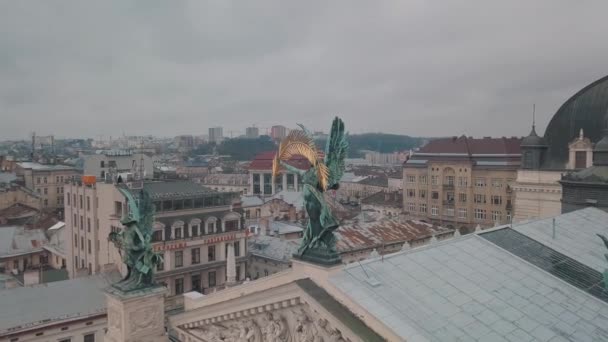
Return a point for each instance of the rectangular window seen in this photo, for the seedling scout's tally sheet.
(449, 197)
(88, 224)
(462, 213)
(210, 253)
(81, 223)
(117, 209)
(46, 202)
(211, 279)
(423, 179)
(88, 203)
(196, 255)
(157, 235)
(45, 180)
(508, 216)
(89, 246)
(267, 184)
(81, 202)
(496, 183)
(89, 338)
(237, 249)
(580, 159)
(82, 243)
(480, 214)
(496, 200)
(479, 198)
(411, 207)
(449, 180)
(462, 198)
(422, 193)
(434, 195)
(68, 196)
(195, 281)
(411, 193)
(449, 212)
(75, 240)
(463, 181)
(37, 180)
(161, 265)
(423, 208)
(238, 273)
(46, 191)
(232, 225)
(179, 258)
(179, 286)
(434, 180)
(102, 163)
(496, 216)
(434, 211)
(480, 182)
(178, 233)
(411, 179)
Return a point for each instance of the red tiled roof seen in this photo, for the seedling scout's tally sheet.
(263, 161)
(470, 145)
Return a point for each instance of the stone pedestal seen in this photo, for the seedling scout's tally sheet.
(320, 256)
(136, 315)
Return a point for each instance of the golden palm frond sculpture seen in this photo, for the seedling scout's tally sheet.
(299, 143)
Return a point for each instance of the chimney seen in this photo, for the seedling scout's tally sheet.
(293, 216)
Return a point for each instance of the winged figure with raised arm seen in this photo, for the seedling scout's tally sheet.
(325, 172)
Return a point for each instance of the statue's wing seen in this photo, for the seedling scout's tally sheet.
(133, 212)
(335, 152)
(146, 211)
(601, 236)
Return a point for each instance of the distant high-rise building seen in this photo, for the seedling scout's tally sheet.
(278, 132)
(252, 132)
(216, 134)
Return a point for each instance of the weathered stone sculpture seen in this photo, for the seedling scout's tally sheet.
(134, 243)
(318, 243)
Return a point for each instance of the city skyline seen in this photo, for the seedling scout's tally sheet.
(408, 68)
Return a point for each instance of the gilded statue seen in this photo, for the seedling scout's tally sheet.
(325, 171)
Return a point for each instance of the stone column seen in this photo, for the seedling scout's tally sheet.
(251, 183)
(137, 315)
(272, 180)
(230, 265)
(262, 185)
(295, 182)
(284, 181)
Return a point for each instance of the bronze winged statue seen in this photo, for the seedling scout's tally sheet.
(134, 242)
(325, 172)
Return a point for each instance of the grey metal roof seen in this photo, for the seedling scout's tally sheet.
(468, 289)
(251, 201)
(575, 235)
(272, 247)
(284, 227)
(6, 177)
(177, 189)
(16, 240)
(56, 301)
(44, 167)
(294, 198)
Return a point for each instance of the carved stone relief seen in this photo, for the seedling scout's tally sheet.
(145, 318)
(294, 324)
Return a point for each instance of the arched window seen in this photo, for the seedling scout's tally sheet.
(195, 227)
(158, 231)
(178, 229)
(211, 225)
(231, 222)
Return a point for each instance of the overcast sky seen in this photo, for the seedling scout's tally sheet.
(78, 69)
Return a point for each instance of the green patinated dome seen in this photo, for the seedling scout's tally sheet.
(586, 109)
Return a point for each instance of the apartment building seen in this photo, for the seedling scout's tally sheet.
(117, 161)
(260, 175)
(462, 182)
(193, 230)
(46, 180)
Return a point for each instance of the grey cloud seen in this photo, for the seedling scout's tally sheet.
(417, 67)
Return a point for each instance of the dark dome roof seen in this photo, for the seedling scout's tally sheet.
(585, 109)
(533, 139)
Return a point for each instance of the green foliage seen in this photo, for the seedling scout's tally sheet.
(380, 142)
(244, 148)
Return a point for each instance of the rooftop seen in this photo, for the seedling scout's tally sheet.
(393, 199)
(575, 235)
(251, 201)
(175, 189)
(362, 233)
(469, 289)
(44, 167)
(473, 146)
(263, 161)
(294, 198)
(281, 228)
(272, 247)
(376, 180)
(56, 301)
(6, 177)
(16, 240)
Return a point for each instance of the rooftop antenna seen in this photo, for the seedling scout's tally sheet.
(533, 115)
